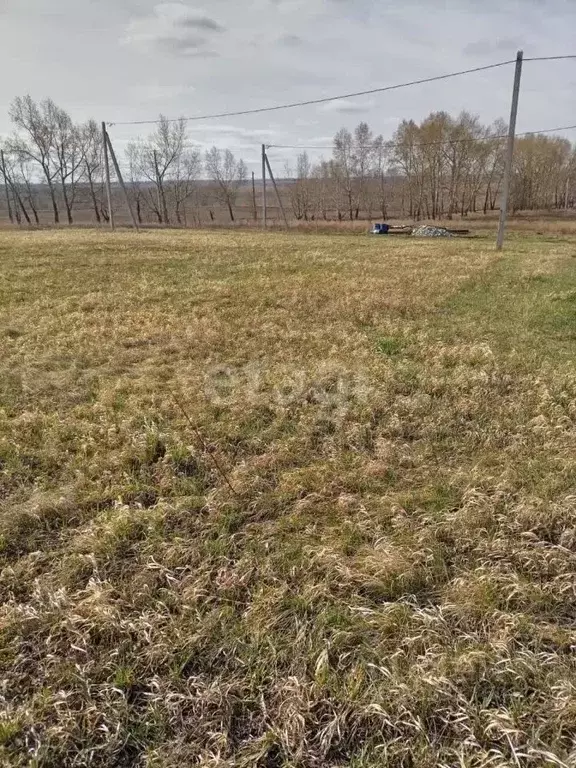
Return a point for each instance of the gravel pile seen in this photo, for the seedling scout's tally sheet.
(431, 232)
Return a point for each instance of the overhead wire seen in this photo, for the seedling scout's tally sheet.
(550, 58)
(323, 100)
(355, 94)
(430, 143)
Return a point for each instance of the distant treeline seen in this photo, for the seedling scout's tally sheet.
(441, 167)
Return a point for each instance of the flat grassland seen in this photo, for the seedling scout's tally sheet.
(287, 501)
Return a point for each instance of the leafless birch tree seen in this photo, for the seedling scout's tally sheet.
(228, 175)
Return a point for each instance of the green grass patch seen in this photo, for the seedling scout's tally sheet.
(389, 346)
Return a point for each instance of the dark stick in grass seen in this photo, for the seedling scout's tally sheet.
(203, 445)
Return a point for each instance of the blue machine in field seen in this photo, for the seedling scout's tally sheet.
(380, 229)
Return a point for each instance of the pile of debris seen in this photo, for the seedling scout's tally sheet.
(427, 231)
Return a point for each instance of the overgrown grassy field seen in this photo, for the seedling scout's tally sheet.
(287, 501)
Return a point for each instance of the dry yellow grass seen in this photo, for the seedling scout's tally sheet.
(357, 545)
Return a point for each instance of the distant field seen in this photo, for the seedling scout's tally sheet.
(209, 215)
(289, 501)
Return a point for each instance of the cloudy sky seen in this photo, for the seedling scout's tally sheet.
(129, 60)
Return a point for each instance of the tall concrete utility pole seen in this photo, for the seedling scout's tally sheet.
(254, 206)
(280, 205)
(121, 181)
(107, 172)
(509, 152)
(264, 201)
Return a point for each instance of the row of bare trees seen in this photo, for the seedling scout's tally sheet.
(48, 153)
(51, 157)
(164, 173)
(436, 169)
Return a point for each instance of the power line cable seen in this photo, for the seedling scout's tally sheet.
(388, 144)
(431, 143)
(548, 130)
(323, 100)
(347, 95)
(200, 146)
(551, 58)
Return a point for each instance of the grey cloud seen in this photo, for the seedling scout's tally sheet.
(302, 77)
(292, 41)
(235, 138)
(203, 23)
(345, 107)
(238, 134)
(192, 45)
(203, 55)
(486, 46)
(174, 41)
(349, 109)
(172, 29)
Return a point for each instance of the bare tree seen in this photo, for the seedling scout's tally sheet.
(495, 168)
(68, 158)
(448, 163)
(184, 186)
(143, 179)
(381, 168)
(7, 191)
(24, 179)
(228, 175)
(342, 169)
(39, 124)
(301, 188)
(540, 170)
(324, 189)
(365, 155)
(136, 190)
(91, 143)
(158, 159)
(14, 166)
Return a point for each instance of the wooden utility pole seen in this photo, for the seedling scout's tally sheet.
(509, 152)
(121, 180)
(264, 201)
(276, 190)
(6, 190)
(107, 172)
(566, 193)
(254, 207)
